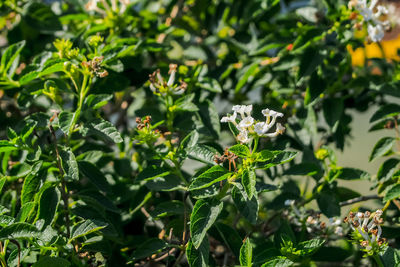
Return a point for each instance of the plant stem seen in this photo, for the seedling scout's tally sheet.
(378, 260)
(358, 199)
(386, 206)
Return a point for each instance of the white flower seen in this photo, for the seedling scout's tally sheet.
(246, 122)
(91, 5)
(279, 128)
(247, 109)
(229, 118)
(172, 72)
(376, 33)
(259, 128)
(241, 109)
(243, 137)
(289, 202)
(365, 11)
(339, 230)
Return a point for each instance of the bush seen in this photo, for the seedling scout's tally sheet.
(200, 133)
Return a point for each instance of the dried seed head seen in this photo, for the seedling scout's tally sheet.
(364, 243)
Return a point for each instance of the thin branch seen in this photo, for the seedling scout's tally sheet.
(358, 199)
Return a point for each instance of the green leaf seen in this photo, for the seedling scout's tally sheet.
(69, 164)
(389, 110)
(20, 170)
(265, 155)
(17, 255)
(57, 67)
(10, 57)
(198, 257)
(210, 119)
(19, 231)
(278, 261)
(390, 257)
(202, 153)
(333, 110)
(383, 146)
(387, 169)
(310, 246)
(105, 129)
(6, 220)
(353, 174)
(26, 78)
(204, 214)
(328, 204)
(169, 208)
(86, 227)
(246, 254)
(247, 207)
(392, 193)
(211, 176)
(148, 248)
(240, 150)
(317, 86)
(29, 188)
(6, 146)
(189, 141)
(230, 237)
(94, 175)
(210, 84)
(263, 187)
(251, 71)
(47, 261)
(249, 182)
(65, 120)
(151, 172)
(331, 254)
(27, 211)
(304, 168)
(95, 101)
(185, 104)
(310, 60)
(280, 157)
(2, 182)
(48, 204)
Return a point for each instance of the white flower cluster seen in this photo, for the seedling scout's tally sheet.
(160, 87)
(361, 223)
(247, 126)
(313, 223)
(117, 6)
(372, 16)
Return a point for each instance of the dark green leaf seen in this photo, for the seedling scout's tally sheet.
(169, 208)
(265, 155)
(387, 169)
(246, 254)
(280, 157)
(333, 109)
(328, 204)
(202, 153)
(198, 257)
(210, 84)
(353, 174)
(383, 146)
(309, 61)
(148, 248)
(48, 261)
(304, 168)
(6, 220)
(204, 214)
(251, 71)
(151, 172)
(247, 207)
(389, 110)
(230, 237)
(27, 211)
(94, 175)
(29, 188)
(185, 104)
(48, 204)
(278, 261)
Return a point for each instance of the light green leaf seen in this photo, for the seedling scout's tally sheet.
(213, 175)
(53, 68)
(27, 210)
(6, 220)
(210, 84)
(246, 254)
(65, 120)
(185, 104)
(10, 57)
(278, 261)
(240, 150)
(29, 188)
(85, 228)
(198, 257)
(205, 213)
(2, 182)
(251, 71)
(249, 182)
(97, 101)
(69, 164)
(383, 146)
(105, 129)
(202, 153)
(392, 193)
(19, 231)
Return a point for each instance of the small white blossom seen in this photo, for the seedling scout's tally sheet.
(259, 128)
(230, 118)
(289, 202)
(243, 137)
(246, 122)
(376, 33)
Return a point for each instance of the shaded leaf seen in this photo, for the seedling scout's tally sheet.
(383, 146)
(19, 230)
(86, 227)
(94, 175)
(148, 248)
(198, 257)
